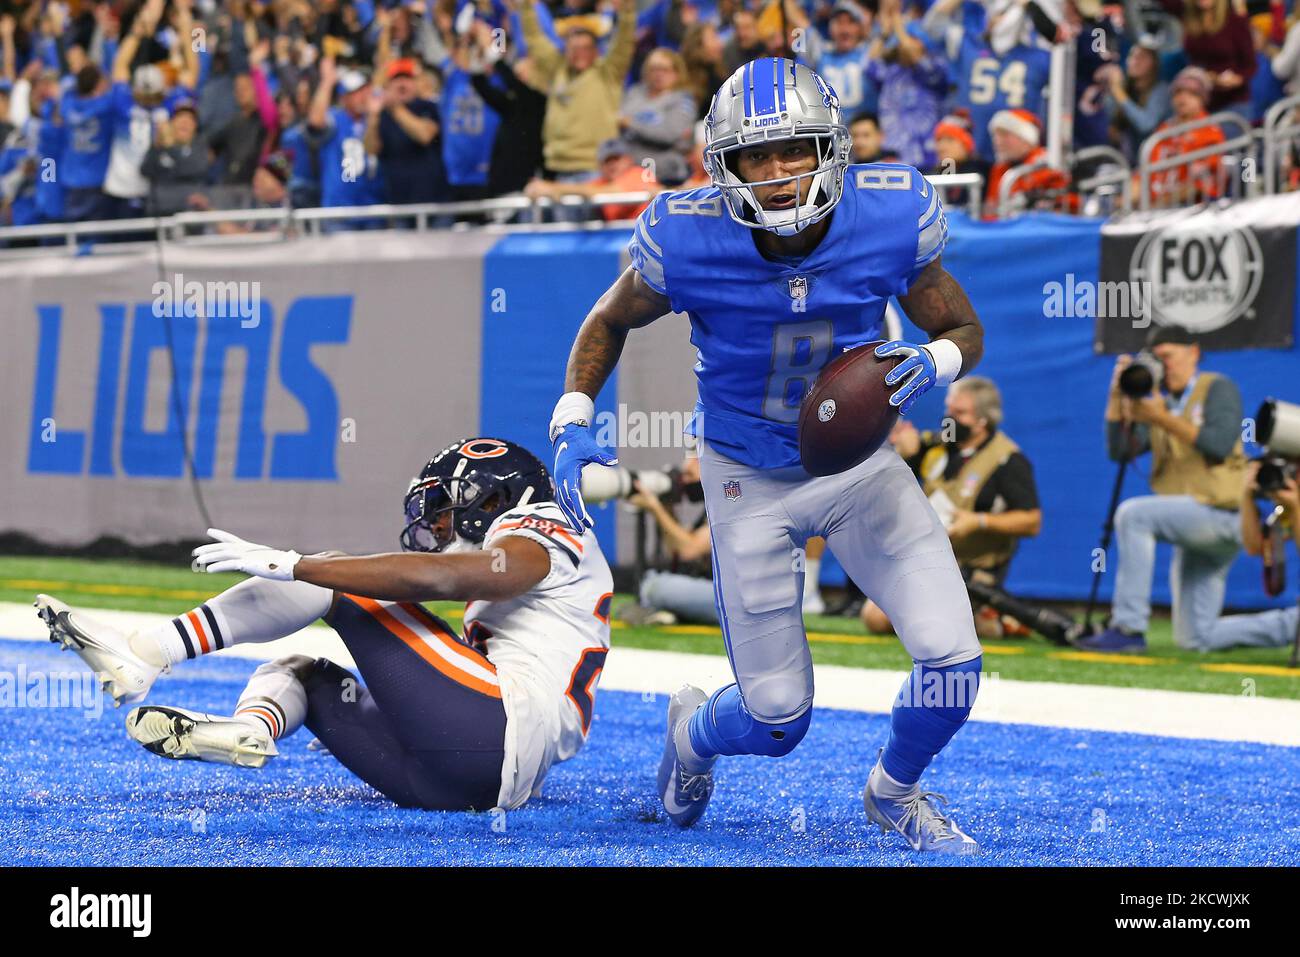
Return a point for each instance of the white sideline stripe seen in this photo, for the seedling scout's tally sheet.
(1175, 714)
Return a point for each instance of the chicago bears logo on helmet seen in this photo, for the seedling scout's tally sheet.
(465, 487)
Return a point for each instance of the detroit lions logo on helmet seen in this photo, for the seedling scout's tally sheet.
(830, 99)
(769, 100)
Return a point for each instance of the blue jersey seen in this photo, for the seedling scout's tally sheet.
(469, 129)
(765, 329)
(294, 141)
(846, 73)
(90, 124)
(51, 144)
(348, 173)
(987, 83)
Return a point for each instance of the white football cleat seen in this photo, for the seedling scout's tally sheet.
(121, 672)
(194, 736)
(919, 821)
(685, 793)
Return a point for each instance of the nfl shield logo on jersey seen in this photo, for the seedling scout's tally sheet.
(731, 490)
(799, 288)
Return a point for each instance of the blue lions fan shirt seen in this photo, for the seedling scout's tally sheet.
(348, 174)
(765, 329)
(89, 122)
(470, 127)
(988, 83)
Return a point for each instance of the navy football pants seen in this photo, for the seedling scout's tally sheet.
(428, 728)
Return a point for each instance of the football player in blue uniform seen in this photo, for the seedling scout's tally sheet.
(785, 261)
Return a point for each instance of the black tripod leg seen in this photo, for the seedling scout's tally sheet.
(1107, 531)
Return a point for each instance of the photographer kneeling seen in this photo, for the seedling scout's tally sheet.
(686, 594)
(982, 488)
(1190, 421)
(1275, 628)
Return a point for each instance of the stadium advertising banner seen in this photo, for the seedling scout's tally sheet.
(313, 378)
(1227, 274)
(307, 393)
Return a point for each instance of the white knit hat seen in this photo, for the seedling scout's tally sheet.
(1021, 123)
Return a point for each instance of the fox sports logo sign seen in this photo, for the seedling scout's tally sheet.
(1199, 279)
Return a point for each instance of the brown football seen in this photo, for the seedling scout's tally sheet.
(846, 414)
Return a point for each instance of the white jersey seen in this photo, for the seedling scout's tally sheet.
(131, 143)
(548, 646)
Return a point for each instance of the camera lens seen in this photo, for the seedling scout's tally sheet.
(1136, 381)
(1272, 476)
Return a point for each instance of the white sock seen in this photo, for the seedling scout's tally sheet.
(273, 701)
(255, 610)
(882, 785)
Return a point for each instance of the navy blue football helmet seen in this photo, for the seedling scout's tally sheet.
(475, 480)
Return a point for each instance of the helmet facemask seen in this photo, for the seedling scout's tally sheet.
(457, 497)
(826, 181)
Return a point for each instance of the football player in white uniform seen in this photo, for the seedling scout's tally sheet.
(444, 721)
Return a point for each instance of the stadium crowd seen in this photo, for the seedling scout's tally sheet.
(121, 108)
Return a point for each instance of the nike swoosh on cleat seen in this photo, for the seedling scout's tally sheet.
(670, 801)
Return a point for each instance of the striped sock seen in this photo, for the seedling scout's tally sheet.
(255, 610)
(273, 701)
(264, 714)
(197, 632)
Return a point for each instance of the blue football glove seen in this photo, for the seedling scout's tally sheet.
(575, 446)
(914, 376)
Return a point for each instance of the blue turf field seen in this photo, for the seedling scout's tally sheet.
(77, 791)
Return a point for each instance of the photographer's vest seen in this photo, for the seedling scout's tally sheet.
(1178, 468)
(979, 549)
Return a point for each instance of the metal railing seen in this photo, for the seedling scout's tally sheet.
(515, 213)
(1279, 131)
(1009, 202)
(973, 183)
(1220, 159)
(1106, 190)
(504, 213)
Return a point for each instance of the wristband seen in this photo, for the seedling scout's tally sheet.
(947, 360)
(574, 408)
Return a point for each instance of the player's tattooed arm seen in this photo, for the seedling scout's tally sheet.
(511, 567)
(628, 304)
(937, 303)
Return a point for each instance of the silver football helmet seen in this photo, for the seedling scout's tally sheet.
(770, 99)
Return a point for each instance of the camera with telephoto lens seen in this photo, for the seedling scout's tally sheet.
(1277, 428)
(1142, 376)
(601, 484)
(1058, 628)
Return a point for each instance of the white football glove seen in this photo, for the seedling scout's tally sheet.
(230, 553)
